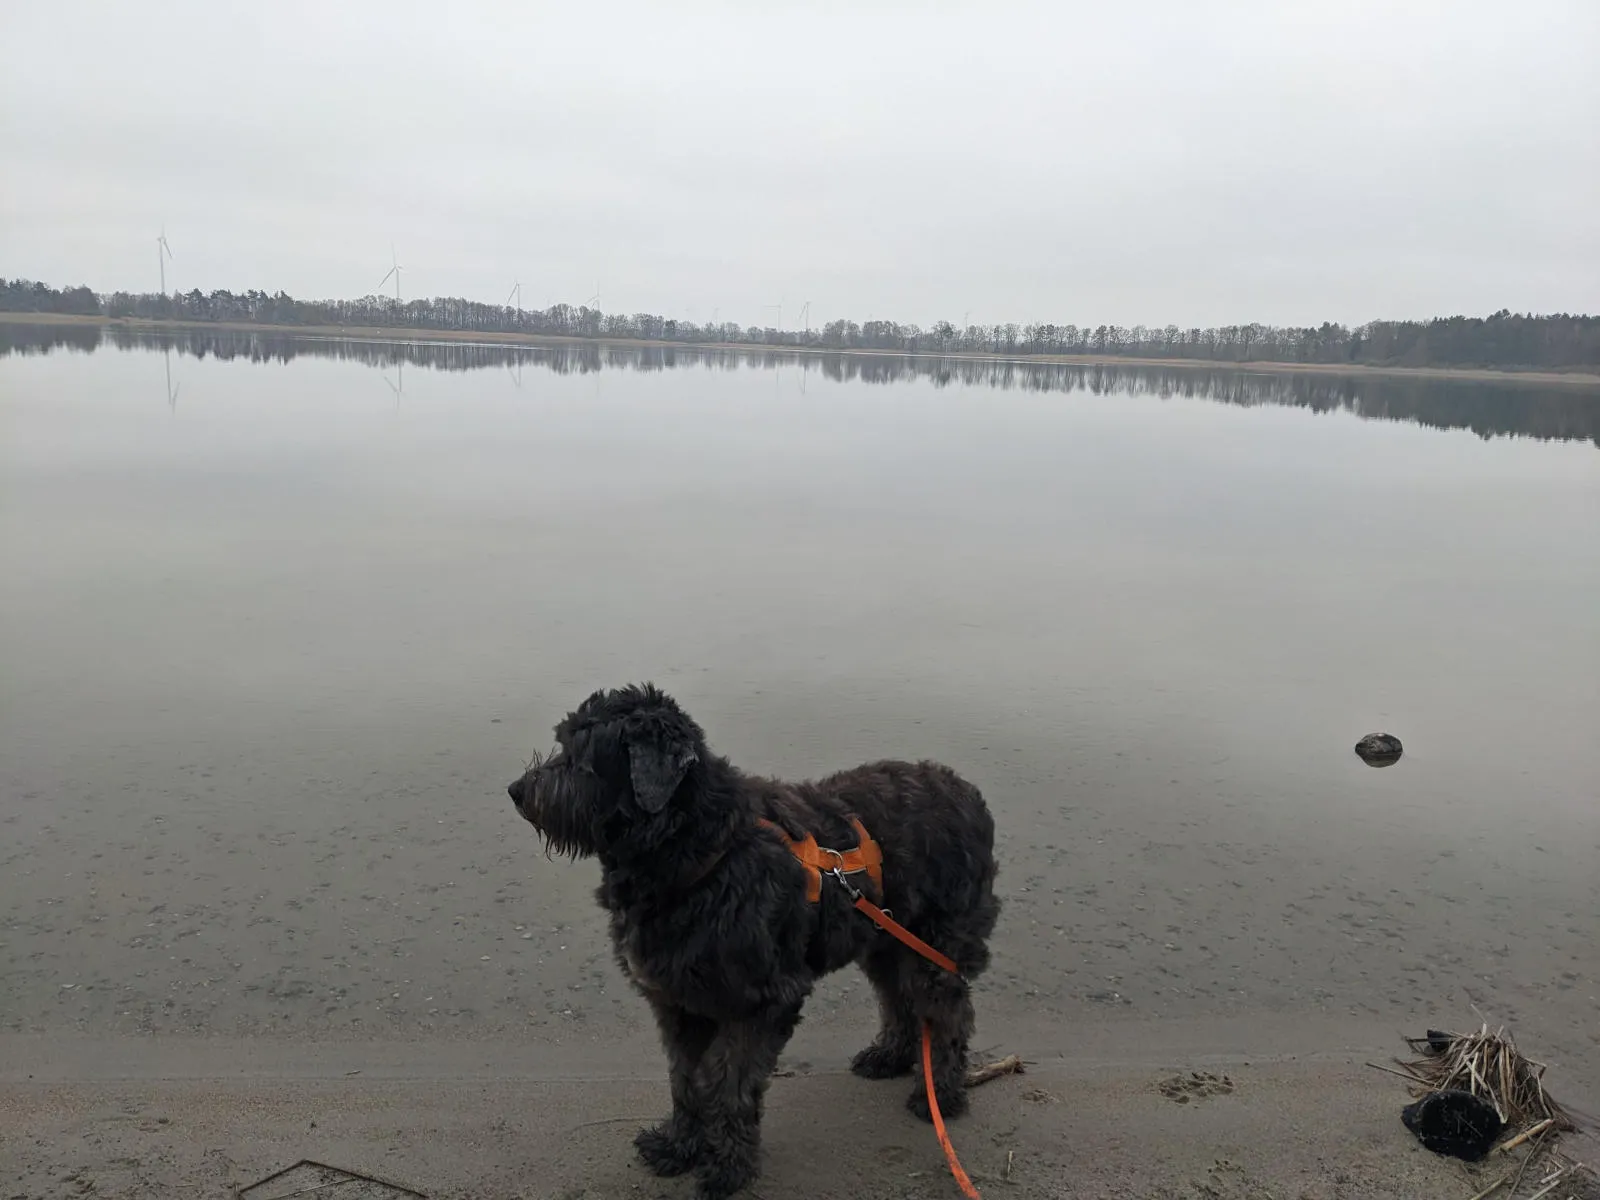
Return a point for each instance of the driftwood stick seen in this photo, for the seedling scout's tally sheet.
(607, 1121)
(1009, 1065)
(1527, 1135)
(349, 1177)
(1549, 1187)
(1392, 1071)
(1526, 1163)
(321, 1187)
(1495, 1186)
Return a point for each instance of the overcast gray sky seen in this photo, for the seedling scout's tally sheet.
(1143, 163)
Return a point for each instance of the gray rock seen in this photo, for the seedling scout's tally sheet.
(1379, 749)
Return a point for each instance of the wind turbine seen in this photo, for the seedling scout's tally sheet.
(516, 290)
(805, 316)
(163, 252)
(395, 271)
(594, 300)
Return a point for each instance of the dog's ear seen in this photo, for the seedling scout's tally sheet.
(657, 761)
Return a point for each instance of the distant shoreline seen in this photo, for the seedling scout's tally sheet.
(1583, 379)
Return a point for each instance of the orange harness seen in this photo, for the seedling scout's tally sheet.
(817, 859)
(868, 856)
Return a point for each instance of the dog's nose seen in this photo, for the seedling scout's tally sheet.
(515, 792)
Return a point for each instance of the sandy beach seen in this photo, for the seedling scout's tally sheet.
(1285, 1110)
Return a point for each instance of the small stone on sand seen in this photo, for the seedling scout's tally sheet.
(1379, 749)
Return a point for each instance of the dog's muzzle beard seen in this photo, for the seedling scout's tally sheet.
(558, 802)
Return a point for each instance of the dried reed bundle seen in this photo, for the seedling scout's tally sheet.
(1487, 1064)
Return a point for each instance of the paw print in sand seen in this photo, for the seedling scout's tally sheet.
(1194, 1085)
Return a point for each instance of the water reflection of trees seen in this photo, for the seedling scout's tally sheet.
(42, 339)
(1502, 339)
(1489, 408)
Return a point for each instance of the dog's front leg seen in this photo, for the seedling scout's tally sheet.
(678, 1143)
(732, 1084)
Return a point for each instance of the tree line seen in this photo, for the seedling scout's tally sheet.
(1489, 408)
(1504, 339)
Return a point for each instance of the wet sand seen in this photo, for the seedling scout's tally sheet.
(376, 882)
(407, 972)
(1288, 1110)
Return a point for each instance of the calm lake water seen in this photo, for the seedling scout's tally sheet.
(274, 645)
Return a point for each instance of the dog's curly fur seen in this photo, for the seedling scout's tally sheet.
(710, 919)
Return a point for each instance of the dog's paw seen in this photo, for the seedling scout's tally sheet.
(878, 1061)
(719, 1180)
(952, 1104)
(665, 1151)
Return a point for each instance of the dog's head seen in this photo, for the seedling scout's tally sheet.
(609, 784)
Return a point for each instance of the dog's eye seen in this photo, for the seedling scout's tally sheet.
(560, 758)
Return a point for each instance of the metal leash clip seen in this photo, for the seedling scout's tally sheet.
(838, 873)
(851, 890)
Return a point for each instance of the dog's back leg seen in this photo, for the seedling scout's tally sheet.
(894, 1051)
(944, 1002)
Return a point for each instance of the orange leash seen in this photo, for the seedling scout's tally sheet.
(964, 1183)
(867, 857)
(889, 925)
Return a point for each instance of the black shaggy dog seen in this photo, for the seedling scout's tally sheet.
(711, 922)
